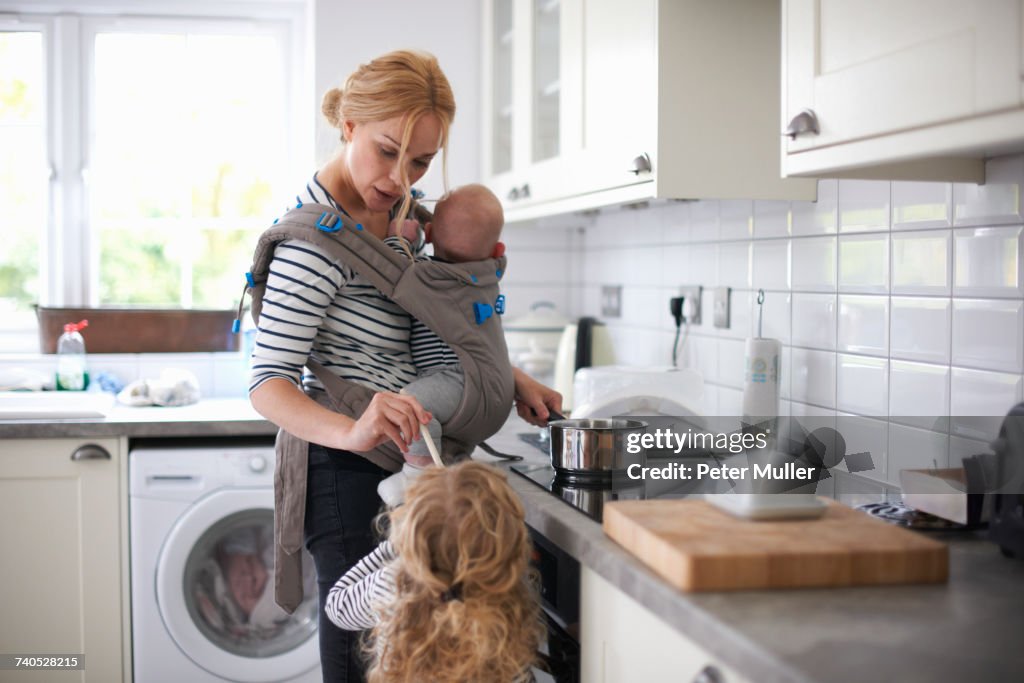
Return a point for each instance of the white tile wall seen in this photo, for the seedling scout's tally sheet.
(892, 300)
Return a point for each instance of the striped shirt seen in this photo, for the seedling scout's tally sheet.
(316, 306)
(352, 602)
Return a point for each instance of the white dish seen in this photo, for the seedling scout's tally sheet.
(769, 506)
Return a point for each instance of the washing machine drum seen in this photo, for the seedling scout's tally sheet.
(215, 592)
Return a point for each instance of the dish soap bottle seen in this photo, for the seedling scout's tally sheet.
(71, 371)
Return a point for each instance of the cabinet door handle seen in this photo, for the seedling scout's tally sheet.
(804, 122)
(641, 164)
(90, 451)
(513, 194)
(524, 191)
(709, 674)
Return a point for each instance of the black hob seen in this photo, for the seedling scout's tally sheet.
(590, 497)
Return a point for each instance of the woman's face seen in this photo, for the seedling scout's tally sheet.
(372, 157)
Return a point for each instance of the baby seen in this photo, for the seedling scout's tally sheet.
(466, 227)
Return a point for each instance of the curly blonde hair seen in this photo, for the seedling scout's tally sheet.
(466, 604)
(406, 83)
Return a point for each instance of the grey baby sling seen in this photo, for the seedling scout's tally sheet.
(458, 302)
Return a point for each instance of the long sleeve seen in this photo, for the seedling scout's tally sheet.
(350, 604)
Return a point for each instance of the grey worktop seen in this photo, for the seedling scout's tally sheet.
(966, 630)
(208, 417)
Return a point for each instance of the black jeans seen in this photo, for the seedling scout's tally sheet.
(341, 502)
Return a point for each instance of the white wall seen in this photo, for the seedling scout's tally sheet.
(893, 301)
(348, 34)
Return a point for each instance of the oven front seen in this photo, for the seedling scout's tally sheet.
(560, 599)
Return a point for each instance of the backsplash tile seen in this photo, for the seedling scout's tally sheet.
(863, 324)
(920, 329)
(989, 262)
(988, 334)
(996, 202)
(813, 266)
(921, 262)
(863, 205)
(917, 206)
(864, 263)
(898, 304)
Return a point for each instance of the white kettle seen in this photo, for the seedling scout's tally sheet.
(585, 343)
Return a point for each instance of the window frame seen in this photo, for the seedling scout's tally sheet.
(69, 254)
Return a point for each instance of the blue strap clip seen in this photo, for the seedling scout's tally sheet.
(481, 312)
(236, 325)
(499, 305)
(417, 194)
(328, 222)
(249, 279)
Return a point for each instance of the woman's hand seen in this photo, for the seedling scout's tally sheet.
(534, 401)
(389, 417)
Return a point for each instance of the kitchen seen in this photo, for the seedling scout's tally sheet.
(893, 284)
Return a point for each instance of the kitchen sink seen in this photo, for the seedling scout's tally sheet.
(41, 405)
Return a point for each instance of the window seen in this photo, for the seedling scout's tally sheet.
(23, 183)
(146, 156)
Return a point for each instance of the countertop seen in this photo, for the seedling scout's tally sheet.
(208, 417)
(966, 630)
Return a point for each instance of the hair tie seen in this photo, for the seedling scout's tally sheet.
(454, 592)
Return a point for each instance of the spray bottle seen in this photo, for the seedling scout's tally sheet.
(72, 374)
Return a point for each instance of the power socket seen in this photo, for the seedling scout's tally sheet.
(691, 303)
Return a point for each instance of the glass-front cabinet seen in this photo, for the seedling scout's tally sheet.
(527, 51)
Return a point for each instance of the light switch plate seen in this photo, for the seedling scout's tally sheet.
(721, 307)
(611, 301)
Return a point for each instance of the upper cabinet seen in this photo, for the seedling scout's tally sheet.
(901, 89)
(595, 102)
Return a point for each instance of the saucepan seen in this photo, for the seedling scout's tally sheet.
(594, 448)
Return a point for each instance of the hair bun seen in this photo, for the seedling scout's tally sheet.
(331, 106)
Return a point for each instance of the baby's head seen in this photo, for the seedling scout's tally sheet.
(467, 224)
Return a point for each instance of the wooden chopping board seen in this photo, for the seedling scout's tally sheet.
(697, 547)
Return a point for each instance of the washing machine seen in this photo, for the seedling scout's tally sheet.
(202, 570)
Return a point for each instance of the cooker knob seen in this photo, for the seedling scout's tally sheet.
(257, 463)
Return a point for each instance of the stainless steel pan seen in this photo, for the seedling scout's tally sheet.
(594, 447)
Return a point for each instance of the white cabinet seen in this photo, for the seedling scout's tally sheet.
(621, 642)
(62, 566)
(596, 102)
(902, 89)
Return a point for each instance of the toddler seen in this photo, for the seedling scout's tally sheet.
(450, 595)
(466, 227)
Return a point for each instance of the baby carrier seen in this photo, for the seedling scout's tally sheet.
(458, 301)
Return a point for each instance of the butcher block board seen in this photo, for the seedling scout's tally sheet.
(698, 547)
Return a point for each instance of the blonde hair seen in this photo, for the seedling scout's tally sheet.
(403, 83)
(466, 606)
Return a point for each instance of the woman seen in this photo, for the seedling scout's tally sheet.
(394, 114)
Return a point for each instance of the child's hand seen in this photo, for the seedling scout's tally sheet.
(407, 228)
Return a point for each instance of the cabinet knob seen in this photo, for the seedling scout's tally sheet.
(524, 191)
(804, 122)
(513, 194)
(709, 674)
(90, 451)
(641, 164)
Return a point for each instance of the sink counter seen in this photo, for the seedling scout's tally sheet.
(967, 629)
(208, 417)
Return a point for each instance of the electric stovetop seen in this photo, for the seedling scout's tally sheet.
(590, 498)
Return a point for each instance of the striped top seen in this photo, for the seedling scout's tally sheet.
(351, 603)
(316, 306)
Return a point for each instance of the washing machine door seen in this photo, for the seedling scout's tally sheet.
(215, 591)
